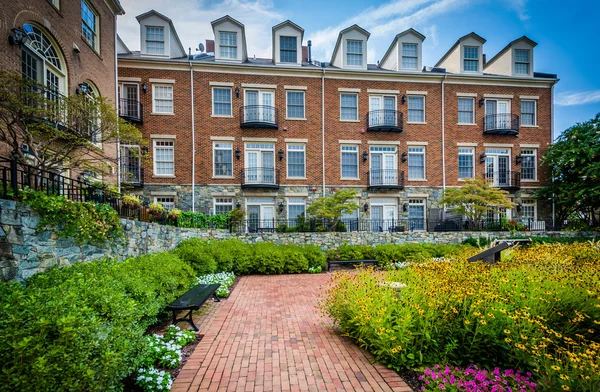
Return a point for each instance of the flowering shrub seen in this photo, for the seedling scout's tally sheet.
(475, 379)
(538, 310)
(151, 379)
(166, 353)
(315, 270)
(176, 335)
(225, 279)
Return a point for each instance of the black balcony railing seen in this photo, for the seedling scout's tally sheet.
(132, 172)
(384, 120)
(258, 116)
(508, 180)
(131, 110)
(385, 179)
(260, 177)
(501, 124)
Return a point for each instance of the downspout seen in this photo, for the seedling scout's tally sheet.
(552, 138)
(443, 144)
(193, 139)
(117, 110)
(323, 128)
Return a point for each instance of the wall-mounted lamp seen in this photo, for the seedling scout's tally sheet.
(18, 36)
(83, 88)
(237, 92)
(482, 158)
(144, 87)
(519, 207)
(365, 207)
(281, 205)
(238, 205)
(365, 156)
(405, 207)
(404, 157)
(481, 102)
(519, 159)
(403, 99)
(280, 155)
(238, 154)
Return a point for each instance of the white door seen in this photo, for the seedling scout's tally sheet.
(498, 114)
(129, 100)
(497, 167)
(259, 106)
(261, 215)
(382, 110)
(384, 214)
(383, 168)
(260, 165)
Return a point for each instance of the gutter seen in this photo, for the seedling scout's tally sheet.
(117, 110)
(323, 128)
(193, 139)
(444, 142)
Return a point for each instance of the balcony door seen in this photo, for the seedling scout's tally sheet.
(260, 163)
(259, 106)
(382, 110)
(129, 100)
(498, 111)
(384, 214)
(497, 166)
(383, 166)
(261, 214)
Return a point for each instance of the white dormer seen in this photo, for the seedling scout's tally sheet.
(465, 56)
(230, 40)
(516, 59)
(287, 43)
(351, 48)
(158, 37)
(405, 52)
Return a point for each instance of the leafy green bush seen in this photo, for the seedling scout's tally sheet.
(196, 253)
(82, 327)
(315, 256)
(268, 258)
(203, 221)
(225, 279)
(294, 258)
(478, 242)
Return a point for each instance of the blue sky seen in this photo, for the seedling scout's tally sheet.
(567, 33)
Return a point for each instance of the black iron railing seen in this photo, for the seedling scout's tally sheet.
(260, 176)
(131, 110)
(258, 116)
(385, 178)
(384, 120)
(509, 180)
(501, 124)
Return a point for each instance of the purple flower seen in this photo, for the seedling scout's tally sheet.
(442, 386)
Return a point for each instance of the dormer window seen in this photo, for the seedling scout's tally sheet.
(471, 59)
(155, 40)
(522, 61)
(354, 55)
(288, 50)
(409, 56)
(228, 45)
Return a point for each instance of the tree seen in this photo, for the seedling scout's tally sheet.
(331, 208)
(475, 198)
(574, 161)
(54, 132)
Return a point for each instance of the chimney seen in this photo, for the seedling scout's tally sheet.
(309, 51)
(210, 46)
(305, 53)
(484, 58)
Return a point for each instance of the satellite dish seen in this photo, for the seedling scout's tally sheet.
(201, 47)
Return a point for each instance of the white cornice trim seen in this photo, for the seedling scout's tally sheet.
(416, 93)
(170, 81)
(535, 145)
(295, 194)
(417, 195)
(350, 141)
(529, 96)
(417, 143)
(258, 85)
(460, 144)
(506, 96)
(260, 139)
(348, 90)
(129, 79)
(223, 194)
(223, 138)
(377, 91)
(377, 142)
(470, 95)
(162, 193)
(382, 196)
(290, 140)
(295, 87)
(222, 84)
(502, 145)
(252, 195)
(162, 136)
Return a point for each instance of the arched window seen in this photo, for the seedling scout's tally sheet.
(42, 61)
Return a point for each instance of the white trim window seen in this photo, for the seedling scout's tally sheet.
(466, 162)
(223, 159)
(89, 25)
(529, 209)
(288, 49)
(354, 53)
(522, 61)
(529, 164)
(416, 214)
(410, 59)
(164, 158)
(168, 202)
(295, 101)
(471, 58)
(162, 98)
(228, 45)
(296, 206)
(416, 109)
(349, 107)
(221, 102)
(155, 40)
(349, 162)
(296, 161)
(466, 110)
(528, 112)
(222, 205)
(416, 163)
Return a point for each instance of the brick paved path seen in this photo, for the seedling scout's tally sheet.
(268, 336)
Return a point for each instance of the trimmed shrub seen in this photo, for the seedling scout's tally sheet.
(196, 252)
(315, 256)
(268, 259)
(294, 259)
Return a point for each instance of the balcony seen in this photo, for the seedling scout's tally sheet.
(385, 179)
(260, 177)
(131, 110)
(132, 172)
(506, 180)
(384, 120)
(501, 124)
(258, 116)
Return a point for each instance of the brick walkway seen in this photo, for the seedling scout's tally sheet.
(268, 336)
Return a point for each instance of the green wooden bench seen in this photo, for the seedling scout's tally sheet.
(192, 300)
(343, 262)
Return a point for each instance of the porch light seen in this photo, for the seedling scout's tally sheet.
(237, 92)
(238, 205)
(405, 207)
(519, 207)
(144, 87)
(482, 158)
(481, 102)
(403, 99)
(404, 157)
(280, 155)
(281, 205)
(18, 36)
(83, 88)
(365, 156)
(238, 154)
(365, 207)
(519, 159)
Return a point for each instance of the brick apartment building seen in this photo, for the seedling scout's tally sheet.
(69, 46)
(227, 130)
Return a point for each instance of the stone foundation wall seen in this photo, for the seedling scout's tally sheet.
(24, 251)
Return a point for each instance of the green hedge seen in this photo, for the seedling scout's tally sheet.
(81, 328)
(386, 254)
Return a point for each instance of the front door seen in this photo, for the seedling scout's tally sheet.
(260, 167)
(499, 114)
(384, 214)
(383, 166)
(129, 100)
(261, 215)
(416, 214)
(382, 110)
(497, 166)
(259, 106)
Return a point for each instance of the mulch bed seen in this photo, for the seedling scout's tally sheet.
(411, 378)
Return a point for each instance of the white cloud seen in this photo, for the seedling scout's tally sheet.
(520, 8)
(570, 98)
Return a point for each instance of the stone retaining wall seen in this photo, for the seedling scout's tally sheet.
(24, 251)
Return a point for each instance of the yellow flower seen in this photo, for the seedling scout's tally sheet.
(467, 322)
(507, 340)
(556, 368)
(507, 331)
(565, 388)
(483, 322)
(564, 377)
(523, 337)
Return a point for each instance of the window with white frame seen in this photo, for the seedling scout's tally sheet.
(522, 61)
(155, 40)
(350, 162)
(416, 214)
(222, 205)
(288, 49)
(295, 104)
(349, 107)
(528, 112)
(416, 163)
(228, 45)
(296, 160)
(466, 110)
(471, 58)
(168, 202)
(409, 56)
(416, 109)
(89, 25)
(223, 159)
(164, 158)
(529, 164)
(354, 53)
(222, 102)
(529, 209)
(466, 162)
(296, 206)
(162, 98)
